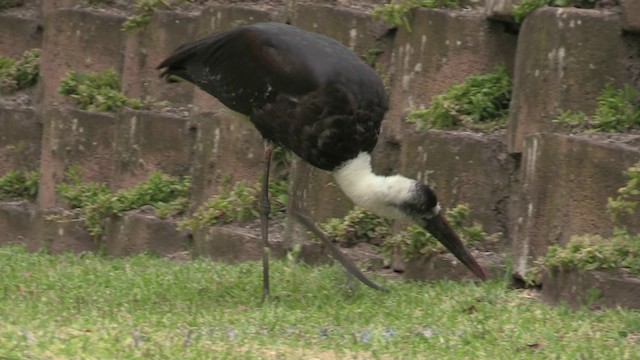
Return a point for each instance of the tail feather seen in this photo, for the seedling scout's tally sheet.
(178, 62)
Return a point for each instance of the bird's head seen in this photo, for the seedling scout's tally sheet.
(422, 207)
(401, 198)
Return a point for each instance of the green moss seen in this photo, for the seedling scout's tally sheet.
(19, 185)
(96, 91)
(19, 74)
(480, 103)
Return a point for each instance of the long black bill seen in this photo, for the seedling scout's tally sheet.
(439, 227)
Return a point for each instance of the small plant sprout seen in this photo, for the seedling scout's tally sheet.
(480, 103)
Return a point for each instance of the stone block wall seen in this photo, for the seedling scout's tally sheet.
(535, 186)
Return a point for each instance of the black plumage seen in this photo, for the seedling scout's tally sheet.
(302, 90)
(313, 95)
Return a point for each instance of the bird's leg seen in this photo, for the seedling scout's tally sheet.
(337, 254)
(265, 209)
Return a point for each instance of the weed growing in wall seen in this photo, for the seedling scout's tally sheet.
(398, 13)
(238, 203)
(19, 185)
(415, 241)
(526, 7)
(628, 196)
(144, 10)
(360, 225)
(19, 74)
(93, 202)
(591, 252)
(96, 91)
(617, 110)
(480, 103)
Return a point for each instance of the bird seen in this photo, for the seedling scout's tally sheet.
(314, 96)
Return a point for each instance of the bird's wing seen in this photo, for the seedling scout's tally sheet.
(244, 68)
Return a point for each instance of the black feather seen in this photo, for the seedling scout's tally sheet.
(302, 90)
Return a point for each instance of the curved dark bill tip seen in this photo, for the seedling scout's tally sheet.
(439, 227)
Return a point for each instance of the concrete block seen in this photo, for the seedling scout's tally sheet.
(148, 141)
(75, 138)
(565, 57)
(630, 15)
(147, 47)
(19, 34)
(442, 49)
(592, 288)
(20, 139)
(352, 26)
(138, 232)
(226, 146)
(16, 218)
(81, 39)
(464, 168)
(59, 237)
(314, 193)
(233, 243)
(501, 10)
(446, 266)
(565, 182)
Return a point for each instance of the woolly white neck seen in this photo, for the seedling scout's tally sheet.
(381, 195)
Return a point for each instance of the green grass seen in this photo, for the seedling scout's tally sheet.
(142, 307)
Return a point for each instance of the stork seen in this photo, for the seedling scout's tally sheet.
(314, 96)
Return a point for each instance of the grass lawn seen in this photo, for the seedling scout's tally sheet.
(144, 307)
